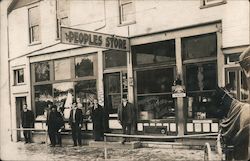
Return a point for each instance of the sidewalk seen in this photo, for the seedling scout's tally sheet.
(40, 152)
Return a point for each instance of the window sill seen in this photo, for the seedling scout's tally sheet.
(126, 23)
(19, 84)
(35, 43)
(213, 5)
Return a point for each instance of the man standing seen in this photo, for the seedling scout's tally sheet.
(126, 117)
(27, 118)
(55, 124)
(98, 121)
(75, 122)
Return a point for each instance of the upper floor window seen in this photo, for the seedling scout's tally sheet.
(127, 11)
(62, 15)
(34, 31)
(207, 3)
(18, 76)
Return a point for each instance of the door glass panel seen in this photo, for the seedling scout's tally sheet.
(114, 84)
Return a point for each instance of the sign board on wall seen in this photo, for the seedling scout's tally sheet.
(178, 91)
(94, 39)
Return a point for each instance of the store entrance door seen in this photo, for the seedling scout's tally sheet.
(20, 101)
(115, 87)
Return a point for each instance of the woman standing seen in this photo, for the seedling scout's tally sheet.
(97, 116)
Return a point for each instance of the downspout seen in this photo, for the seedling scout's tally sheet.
(105, 17)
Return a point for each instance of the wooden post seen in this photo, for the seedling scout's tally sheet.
(179, 102)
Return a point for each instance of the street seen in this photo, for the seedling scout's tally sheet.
(20, 151)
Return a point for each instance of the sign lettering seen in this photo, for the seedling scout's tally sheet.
(87, 38)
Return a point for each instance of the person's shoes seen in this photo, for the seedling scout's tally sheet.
(52, 145)
(123, 142)
(26, 142)
(75, 145)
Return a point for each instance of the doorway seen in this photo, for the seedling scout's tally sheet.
(115, 87)
(20, 101)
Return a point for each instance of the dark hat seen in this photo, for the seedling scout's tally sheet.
(53, 106)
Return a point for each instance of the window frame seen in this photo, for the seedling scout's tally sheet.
(206, 3)
(16, 75)
(60, 15)
(121, 13)
(31, 34)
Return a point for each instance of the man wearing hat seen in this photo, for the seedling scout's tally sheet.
(126, 117)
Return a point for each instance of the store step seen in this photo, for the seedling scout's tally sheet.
(116, 145)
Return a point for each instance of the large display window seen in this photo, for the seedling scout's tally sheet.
(58, 82)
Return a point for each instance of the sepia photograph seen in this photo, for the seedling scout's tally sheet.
(125, 80)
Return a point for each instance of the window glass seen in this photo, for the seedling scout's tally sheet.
(201, 106)
(19, 76)
(63, 94)
(43, 96)
(244, 92)
(62, 69)
(85, 91)
(232, 83)
(114, 58)
(156, 107)
(199, 46)
(34, 24)
(84, 66)
(126, 11)
(201, 77)
(42, 71)
(154, 53)
(155, 81)
(114, 84)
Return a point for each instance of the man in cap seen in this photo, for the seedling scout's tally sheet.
(126, 117)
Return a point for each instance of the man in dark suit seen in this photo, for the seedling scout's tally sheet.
(27, 118)
(126, 117)
(97, 117)
(75, 122)
(55, 124)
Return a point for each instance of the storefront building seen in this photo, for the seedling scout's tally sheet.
(195, 55)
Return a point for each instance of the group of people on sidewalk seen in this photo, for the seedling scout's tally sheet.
(56, 123)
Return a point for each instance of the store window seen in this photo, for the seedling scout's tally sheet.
(84, 66)
(62, 9)
(201, 46)
(34, 29)
(236, 83)
(201, 81)
(43, 96)
(63, 94)
(85, 91)
(200, 75)
(127, 11)
(154, 53)
(42, 71)
(154, 93)
(114, 58)
(18, 76)
(62, 69)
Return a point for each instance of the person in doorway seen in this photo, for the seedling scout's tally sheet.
(55, 124)
(75, 122)
(126, 117)
(97, 117)
(27, 119)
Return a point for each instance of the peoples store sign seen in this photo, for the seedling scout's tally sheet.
(94, 39)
